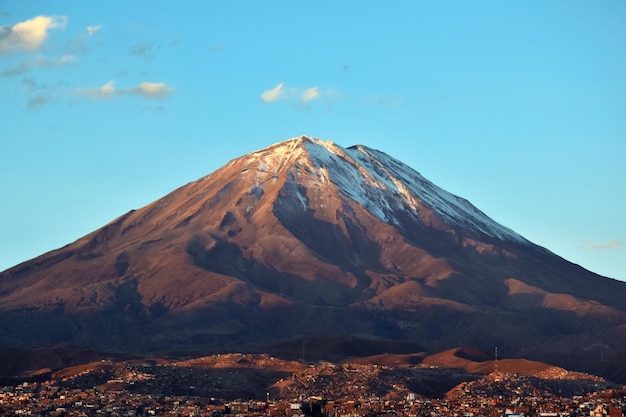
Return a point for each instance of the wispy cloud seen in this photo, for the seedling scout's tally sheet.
(301, 99)
(37, 62)
(301, 96)
(608, 245)
(30, 34)
(34, 102)
(150, 90)
(274, 94)
(176, 41)
(143, 50)
(154, 109)
(93, 29)
(108, 89)
(39, 94)
(310, 94)
(79, 44)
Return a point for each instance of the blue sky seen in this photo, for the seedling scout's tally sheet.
(520, 107)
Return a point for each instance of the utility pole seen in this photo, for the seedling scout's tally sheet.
(496, 361)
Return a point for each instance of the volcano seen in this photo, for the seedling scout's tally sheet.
(309, 240)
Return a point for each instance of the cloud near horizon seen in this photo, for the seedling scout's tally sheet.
(150, 90)
(608, 245)
(30, 34)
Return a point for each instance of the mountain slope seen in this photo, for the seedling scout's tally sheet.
(308, 238)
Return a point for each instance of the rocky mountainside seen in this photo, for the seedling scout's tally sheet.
(306, 239)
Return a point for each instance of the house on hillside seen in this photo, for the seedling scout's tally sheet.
(599, 411)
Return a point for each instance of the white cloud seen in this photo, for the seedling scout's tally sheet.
(301, 98)
(93, 29)
(310, 94)
(270, 96)
(108, 89)
(30, 34)
(146, 89)
(152, 90)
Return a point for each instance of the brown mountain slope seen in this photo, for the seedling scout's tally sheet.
(306, 238)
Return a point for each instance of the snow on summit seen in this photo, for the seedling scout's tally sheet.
(381, 184)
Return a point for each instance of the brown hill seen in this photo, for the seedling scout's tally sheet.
(477, 362)
(308, 239)
(396, 360)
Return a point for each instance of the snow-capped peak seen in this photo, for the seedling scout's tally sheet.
(383, 185)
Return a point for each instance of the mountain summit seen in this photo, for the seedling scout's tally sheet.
(309, 239)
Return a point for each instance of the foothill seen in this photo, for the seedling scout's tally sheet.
(261, 385)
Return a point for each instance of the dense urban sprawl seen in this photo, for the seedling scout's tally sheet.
(267, 387)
